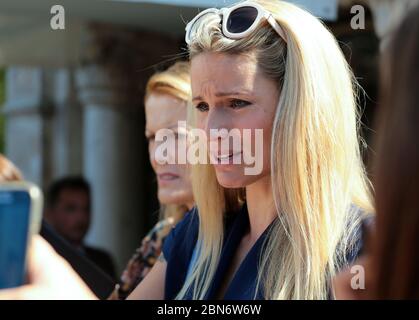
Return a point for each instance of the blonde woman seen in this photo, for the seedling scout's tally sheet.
(268, 65)
(284, 232)
(167, 95)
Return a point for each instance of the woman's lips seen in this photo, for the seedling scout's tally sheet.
(167, 176)
(227, 158)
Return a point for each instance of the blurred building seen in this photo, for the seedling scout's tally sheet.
(74, 96)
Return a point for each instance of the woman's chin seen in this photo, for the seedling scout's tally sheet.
(173, 198)
(230, 181)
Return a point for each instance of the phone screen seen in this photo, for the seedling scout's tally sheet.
(14, 224)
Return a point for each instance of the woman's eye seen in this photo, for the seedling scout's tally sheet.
(237, 104)
(203, 107)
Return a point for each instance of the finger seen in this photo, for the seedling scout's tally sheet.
(39, 255)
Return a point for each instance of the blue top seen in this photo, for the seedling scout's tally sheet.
(178, 250)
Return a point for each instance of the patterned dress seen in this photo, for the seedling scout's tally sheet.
(143, 259)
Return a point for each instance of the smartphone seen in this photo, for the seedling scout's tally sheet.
(20, 217)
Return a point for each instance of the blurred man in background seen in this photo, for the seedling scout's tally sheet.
(68, 207)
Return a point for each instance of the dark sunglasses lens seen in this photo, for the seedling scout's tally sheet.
(241, 19)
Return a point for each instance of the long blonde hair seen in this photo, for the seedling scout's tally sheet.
(318, 178)
(174, 81)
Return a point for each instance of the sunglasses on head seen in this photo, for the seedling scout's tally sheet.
(238, 21)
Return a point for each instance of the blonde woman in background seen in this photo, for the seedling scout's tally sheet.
(167, 95)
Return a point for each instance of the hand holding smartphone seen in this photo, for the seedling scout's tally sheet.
(24, 255)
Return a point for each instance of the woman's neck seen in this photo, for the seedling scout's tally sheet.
(260, 205)
(190, 205)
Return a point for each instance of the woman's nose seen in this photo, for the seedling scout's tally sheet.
(218, 125)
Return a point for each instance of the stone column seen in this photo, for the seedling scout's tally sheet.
(116, 65)
(43, 136)
(66, 128)
(113, 159)
(27, 112)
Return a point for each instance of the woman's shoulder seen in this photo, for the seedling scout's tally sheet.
(189, 221)
(177, 251)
